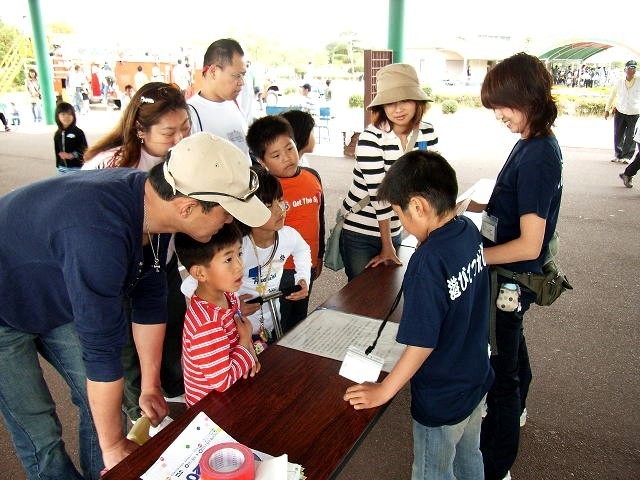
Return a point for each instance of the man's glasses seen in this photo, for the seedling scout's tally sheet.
(253, 186)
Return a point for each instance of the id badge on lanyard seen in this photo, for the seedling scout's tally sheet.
(489, 228)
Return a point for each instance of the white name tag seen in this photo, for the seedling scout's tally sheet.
(359, 367)
(489, 228)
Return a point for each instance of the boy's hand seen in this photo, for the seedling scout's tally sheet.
(114, 454)
(300, 294)
(245, 330)
(153, 405)
(367, 395)
(65, 155)
(247, 309)
(256, 368)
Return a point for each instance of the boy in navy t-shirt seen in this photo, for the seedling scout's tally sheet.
(444, 324)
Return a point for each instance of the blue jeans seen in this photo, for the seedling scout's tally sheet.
(449, 452)
(357, 250)
(501, 427)
(29, 411)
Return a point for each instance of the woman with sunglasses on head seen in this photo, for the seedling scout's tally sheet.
(517, 227)
(371, 234)
(155, 120)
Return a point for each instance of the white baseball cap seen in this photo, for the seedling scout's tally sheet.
(212, 169)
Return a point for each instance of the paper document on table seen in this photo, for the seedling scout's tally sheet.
(328, 333)
(180, 459)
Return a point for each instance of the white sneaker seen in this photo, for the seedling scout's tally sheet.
(523, 418)
(507, 476)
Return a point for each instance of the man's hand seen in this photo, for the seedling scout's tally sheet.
(65, 155)
(606, 114)
(114, 454)
(153, 405)
(367, 395)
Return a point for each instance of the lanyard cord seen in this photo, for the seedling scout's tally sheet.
(384, 322)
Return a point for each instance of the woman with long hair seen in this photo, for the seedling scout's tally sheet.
(370, 235)
(155, 120)
(518, 224)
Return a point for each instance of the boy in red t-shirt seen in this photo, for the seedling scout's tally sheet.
(217, 348)
(271, 140)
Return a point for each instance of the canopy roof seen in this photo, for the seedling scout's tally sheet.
(575, 51)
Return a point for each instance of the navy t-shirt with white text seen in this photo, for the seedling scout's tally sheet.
(446, 307)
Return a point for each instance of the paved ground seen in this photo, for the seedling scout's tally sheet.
(583, 408)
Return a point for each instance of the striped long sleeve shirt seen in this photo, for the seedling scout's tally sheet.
(376, 151)
(212, 358)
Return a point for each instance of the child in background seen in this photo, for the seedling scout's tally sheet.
(271, 140)
(302, 124)
(265, 250)
(445, 322)
(216, 344)
(15, 115)
(69, 140)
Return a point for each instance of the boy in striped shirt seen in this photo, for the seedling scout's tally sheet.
(216, 342)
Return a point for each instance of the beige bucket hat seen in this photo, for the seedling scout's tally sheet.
(397, 82)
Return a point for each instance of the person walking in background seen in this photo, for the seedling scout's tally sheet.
(15, 115)
(77, 85)
(214, 108)
(33, 87)
(370, 236)
(517, 227)
(69, 141)
(634, 166)
(624, 102)
(155, 120)
(140, 78)
(180, 76)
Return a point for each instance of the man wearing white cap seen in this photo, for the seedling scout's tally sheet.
(64, 279)
(625, 103)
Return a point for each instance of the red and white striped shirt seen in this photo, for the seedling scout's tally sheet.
(212, 358)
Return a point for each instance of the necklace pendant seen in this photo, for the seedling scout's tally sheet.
(265, 336)
(156, 265)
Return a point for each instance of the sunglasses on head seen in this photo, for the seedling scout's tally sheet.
(253, 187)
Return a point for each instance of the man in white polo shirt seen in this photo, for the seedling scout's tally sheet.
(626, 95)
(215, 109)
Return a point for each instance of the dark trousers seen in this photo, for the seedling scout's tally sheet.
(623, 126)
(171, 378)
(500, 434)
(293, 312)
(634, 166)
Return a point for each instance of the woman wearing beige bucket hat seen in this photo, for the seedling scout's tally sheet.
(371, 233)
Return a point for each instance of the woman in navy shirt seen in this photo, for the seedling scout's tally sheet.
(518, 223)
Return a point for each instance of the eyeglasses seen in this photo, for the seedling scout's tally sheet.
(253, 186)
(239, 77)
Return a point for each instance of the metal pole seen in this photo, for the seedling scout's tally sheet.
(395, 41)
(276, 319)
(42, 61)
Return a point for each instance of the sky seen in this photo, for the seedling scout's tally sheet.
(316, 23)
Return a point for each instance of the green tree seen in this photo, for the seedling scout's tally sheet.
(8, 36)
(346, 50)
(59, 27)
